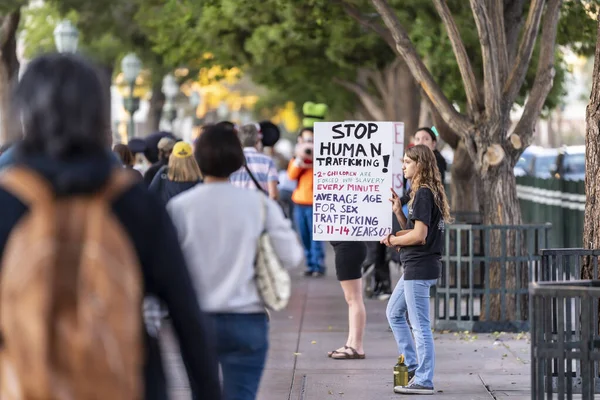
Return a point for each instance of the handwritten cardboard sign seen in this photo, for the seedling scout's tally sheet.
(352, 180)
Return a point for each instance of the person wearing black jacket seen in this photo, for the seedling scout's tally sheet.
(60, 100)
(165, 147)
(182, 173)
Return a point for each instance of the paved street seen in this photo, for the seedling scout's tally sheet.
(468, 366)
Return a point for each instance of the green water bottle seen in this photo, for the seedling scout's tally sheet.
(400, 372)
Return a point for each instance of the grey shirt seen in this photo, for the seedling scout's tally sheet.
(218, 227)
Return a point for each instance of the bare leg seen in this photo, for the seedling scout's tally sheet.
(357, 315)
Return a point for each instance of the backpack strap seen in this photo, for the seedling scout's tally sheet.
(27, 185)
(120, 180)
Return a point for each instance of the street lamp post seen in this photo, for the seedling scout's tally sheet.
(131, 66)
(171, 89)
(66, 37)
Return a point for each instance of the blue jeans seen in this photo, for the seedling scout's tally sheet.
(242, 344)
(413, 296)
(313, 251)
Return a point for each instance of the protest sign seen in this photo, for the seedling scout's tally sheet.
(352, 180)
(398, 180)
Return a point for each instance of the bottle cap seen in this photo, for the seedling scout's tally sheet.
(401, 359)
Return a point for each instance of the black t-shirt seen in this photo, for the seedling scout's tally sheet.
(423, 262)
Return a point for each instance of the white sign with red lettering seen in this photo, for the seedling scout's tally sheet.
(352, 180)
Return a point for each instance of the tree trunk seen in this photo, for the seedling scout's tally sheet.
(464, 194)
(591, 227)
(408, 99)
(157, 101)
(425, 119)
(9, 72)
(106, 72)
(500, 206)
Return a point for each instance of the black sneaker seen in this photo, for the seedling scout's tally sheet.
(376, 290)
(411, 376)
(308, 272)
(413, 388)
(318, 274)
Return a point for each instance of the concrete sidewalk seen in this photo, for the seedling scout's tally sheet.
(468, 366)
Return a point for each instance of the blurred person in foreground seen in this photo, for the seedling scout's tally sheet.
(261, 166)
(181, 174)
(219, 226)
(127, 159)
(81, 244)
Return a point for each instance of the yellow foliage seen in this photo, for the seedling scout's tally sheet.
(287, 116)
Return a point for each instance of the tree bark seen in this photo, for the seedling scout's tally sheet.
(464, 189)
(157, 101)
(9, 72)
(501, 206)
(408, 101)
(106, 73)
(591, 227)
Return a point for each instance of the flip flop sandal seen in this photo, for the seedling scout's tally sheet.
(332, 352)
(347, 356)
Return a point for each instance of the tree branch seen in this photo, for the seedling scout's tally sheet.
(464, 64)
(544, 76)
(10, 24)
(497, 12)
(489, 53)
(457, 121)
(365, 98)
(376, 77)
(513, 20)
(517, 74)
(355, 13)
(447, 134)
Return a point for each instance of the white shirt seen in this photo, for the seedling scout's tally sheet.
(218, 227)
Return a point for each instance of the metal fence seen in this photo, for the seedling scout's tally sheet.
(484, 292)
(565, 345)
(557, 201)
(566, 266)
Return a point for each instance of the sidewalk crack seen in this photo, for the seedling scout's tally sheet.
(487, 388)
(298, 349)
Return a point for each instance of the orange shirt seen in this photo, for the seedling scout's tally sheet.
(303, 194)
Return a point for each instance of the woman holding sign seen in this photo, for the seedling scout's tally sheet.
(421, 245)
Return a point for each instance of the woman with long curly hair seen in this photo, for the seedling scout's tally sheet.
(421, 244)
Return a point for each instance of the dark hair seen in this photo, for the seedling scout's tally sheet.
(126, 156)
(60, 104)
(219, 151)
(226, 124)
(428, 130)
(309, 129)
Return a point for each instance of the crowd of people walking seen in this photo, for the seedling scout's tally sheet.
(89, 235)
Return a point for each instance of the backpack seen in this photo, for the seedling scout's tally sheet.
(70, 296)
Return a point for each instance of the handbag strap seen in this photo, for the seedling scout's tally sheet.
(263, 213)
(258, 186)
